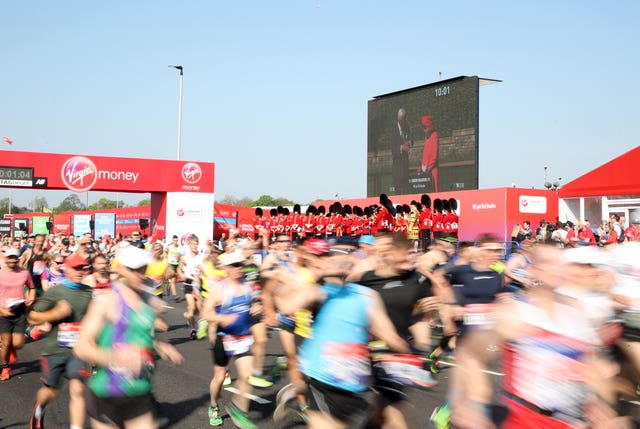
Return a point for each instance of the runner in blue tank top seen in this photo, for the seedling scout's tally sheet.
(228, 311)
(336, 359)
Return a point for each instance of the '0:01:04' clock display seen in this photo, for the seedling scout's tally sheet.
(16, 173)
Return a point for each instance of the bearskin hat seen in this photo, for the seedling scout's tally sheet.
(426, 200)
(453, 203)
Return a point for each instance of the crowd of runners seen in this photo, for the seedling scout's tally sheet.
(549, 338)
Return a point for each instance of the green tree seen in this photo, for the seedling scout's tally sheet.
(283, 202)
(145, 202)
(39, 204)
(4, 207)
(106, 203)
(70, 204)
(268, 200)
(233, 201)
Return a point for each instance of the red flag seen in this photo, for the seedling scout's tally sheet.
(8, 140)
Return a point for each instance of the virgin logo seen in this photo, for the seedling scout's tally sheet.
(524, 203)
(180, 212)
(79, 174)
(191, 172)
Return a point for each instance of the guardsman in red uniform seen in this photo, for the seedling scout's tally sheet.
(384, 218)
(426, 222)
(273, 224)
(286, 222)
(357, 221)
(321, 222)
(330, 226)
(296, 223)
(339, 219)
(347, 220)
(401, 218)
(453, 214)
(310, 222)
(446, 218)
(259, 223)
(436, 216)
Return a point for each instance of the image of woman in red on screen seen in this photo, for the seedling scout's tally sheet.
(430, 151)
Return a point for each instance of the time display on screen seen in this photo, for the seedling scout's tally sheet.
(16, 173)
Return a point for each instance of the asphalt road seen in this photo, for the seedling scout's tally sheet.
(183, 392)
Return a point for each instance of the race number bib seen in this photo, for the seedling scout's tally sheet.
(68, 334)
(349, 363)
(237, 344)
(479, 315)
(406, 369)
(39, 267)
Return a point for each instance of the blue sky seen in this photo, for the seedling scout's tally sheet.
(275, 93)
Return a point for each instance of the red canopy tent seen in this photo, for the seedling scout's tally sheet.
(616, 177)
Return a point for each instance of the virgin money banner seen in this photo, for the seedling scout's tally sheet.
(99, 173)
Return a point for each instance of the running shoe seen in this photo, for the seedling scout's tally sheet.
(239, 417)
(433, 363)
(259, 382)
(13, 356)
(5, 374)
(34, 332)
(285, 394)
(193, 335)
(283, 409)
(227, 379)
(203, 328)
(214, 416)
(441, 417)
(278, 368)
(36, 422)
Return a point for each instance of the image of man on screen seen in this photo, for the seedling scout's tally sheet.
(400, 143)
(430, 151)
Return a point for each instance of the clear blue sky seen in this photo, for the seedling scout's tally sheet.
(275, 93)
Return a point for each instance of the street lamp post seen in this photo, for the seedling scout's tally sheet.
(180, 69)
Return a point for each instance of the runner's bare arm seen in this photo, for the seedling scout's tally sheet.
(61, 311)
(292, 294)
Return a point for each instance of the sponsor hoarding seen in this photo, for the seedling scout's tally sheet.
(105, 224)
(81, 224)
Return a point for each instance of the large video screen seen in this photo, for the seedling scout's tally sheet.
(424, 139)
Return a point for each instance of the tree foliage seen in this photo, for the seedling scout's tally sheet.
(70, 203)
(4, 207)
(234, 201)
(145, 202)
(106, 203)
(39, 204)
(269, 201)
